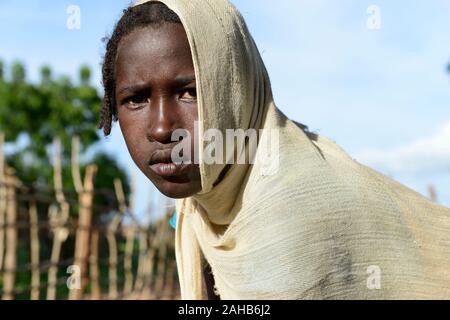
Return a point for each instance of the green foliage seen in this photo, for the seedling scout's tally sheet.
(52, 108)
(46, 74)
(85, 75)
(1, 70)
(18, 73)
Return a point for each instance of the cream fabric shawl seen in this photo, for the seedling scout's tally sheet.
(320, 227)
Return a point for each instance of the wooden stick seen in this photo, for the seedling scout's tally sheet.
(58, 217)
(112, 270)
(154, 243)
(34, 248)
(54, 259)
(85, 200)
(2, 199)
(9, 276)
(94, 270)
(112, 242)
(76, 175)
(162, 256)
(129, 242)
(57, 171)
(118, 188)
(128, 259)
(148, 272)
(170, 280)
(143, 253)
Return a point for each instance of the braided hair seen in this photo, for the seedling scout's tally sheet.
(149, 13)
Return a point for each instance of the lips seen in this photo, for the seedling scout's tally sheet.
(161, 163)
(161, 156)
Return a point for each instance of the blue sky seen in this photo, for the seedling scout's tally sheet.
(383, 94)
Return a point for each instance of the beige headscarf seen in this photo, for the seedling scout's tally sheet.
(323, 226)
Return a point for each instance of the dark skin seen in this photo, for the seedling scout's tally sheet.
(156, 94)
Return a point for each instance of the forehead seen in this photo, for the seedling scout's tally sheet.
(154, 50)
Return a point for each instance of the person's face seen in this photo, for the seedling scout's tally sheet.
(155, 95)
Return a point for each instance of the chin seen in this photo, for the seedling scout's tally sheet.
(176, 187)
(176, 190)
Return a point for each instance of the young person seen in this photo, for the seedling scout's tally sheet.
(302, 221)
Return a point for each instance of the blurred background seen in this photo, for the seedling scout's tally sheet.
(374, 76)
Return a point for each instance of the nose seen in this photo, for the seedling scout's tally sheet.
(162, 120)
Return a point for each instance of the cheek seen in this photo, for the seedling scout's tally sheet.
(134, 133)
(190, 119)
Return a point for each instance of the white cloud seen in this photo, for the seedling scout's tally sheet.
(425, 155)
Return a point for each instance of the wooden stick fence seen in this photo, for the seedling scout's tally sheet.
(116, 259)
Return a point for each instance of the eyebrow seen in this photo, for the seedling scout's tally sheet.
(180, 81)
(184, 80)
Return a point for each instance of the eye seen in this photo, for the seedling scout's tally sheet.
(136, 101)
(189, 95)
